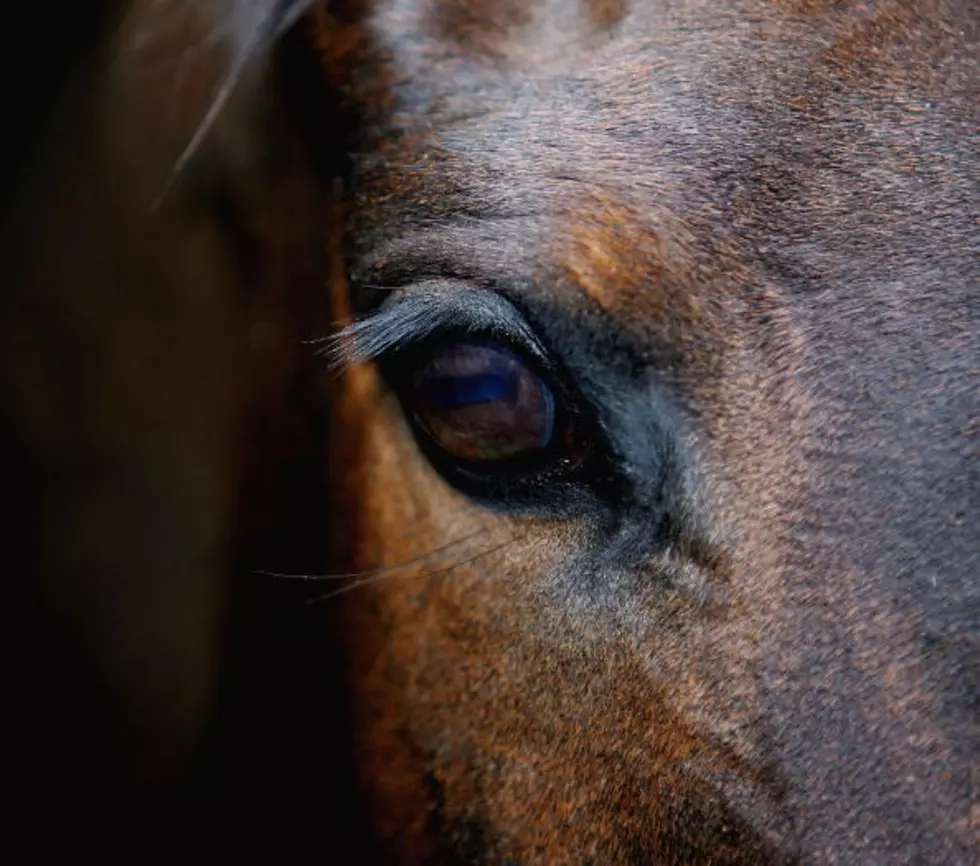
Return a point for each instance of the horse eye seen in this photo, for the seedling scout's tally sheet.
(481, 403)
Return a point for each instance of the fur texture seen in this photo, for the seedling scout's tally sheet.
(748, 231)
(745, 232)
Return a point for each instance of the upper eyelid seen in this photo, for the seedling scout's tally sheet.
(416, 313)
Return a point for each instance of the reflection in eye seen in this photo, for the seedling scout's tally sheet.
(480, 402)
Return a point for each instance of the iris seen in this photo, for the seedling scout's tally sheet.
(481, 402)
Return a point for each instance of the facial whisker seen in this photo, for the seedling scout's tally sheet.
(379, 577)
(371, 573)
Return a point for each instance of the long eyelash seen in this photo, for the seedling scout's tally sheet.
(407, 323)
(368, 339)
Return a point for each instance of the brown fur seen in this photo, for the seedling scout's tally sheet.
(697, 210)
(748, 229)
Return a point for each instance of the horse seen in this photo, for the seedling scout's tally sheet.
(659, 400)
(636, 468)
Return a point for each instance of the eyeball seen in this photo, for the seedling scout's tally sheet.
(481, 403)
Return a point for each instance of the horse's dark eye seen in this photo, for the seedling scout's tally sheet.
(481, 403)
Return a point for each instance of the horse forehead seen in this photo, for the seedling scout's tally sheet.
(502, 29)
(538, 37)
(685, 121)
(576, 70)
